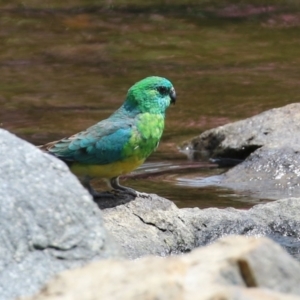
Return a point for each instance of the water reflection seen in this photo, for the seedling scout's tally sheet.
(188, 184)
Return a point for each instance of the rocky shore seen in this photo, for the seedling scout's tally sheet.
(232, 268)
(50, 224)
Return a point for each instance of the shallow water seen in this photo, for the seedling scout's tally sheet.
(188, 184)
(65, 68)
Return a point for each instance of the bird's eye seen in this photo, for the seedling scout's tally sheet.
(162, 89)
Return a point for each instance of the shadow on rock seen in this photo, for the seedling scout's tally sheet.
(109, 200)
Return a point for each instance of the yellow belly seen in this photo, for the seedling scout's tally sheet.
(106, 171)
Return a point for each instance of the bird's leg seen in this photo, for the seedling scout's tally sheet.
(86, 183)
(114, 183)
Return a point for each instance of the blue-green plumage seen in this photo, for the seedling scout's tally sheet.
(100, 144)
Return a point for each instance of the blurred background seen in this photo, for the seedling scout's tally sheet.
(66, 65)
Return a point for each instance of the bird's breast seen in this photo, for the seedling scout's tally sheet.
(145, 136)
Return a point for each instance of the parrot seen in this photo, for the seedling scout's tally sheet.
(122, 142)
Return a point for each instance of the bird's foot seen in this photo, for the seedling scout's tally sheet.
(114, 183)
(113, 198)
(104, 195)
(130, 193)
(97, 195)
(125, 191)
(117, 196)
(143, 195)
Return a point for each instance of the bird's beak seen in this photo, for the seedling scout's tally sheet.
(173, 95)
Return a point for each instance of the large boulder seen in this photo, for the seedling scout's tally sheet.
(154, 225)
(48, 221)
(273, 140)
(233, 268)
(274, 128)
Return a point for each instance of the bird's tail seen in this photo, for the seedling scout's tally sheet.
(47, 146)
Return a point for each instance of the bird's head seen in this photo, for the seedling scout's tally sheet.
(153, 94)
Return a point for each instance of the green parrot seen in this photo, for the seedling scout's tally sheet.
(122, 142)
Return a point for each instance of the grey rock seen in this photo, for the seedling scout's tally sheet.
(269, 173)
(149, 225)
(274, 128)
(48, 221)
(156, 226)
(232, 268)
(272, 170)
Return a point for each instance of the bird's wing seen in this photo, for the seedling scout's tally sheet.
(102, 143)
